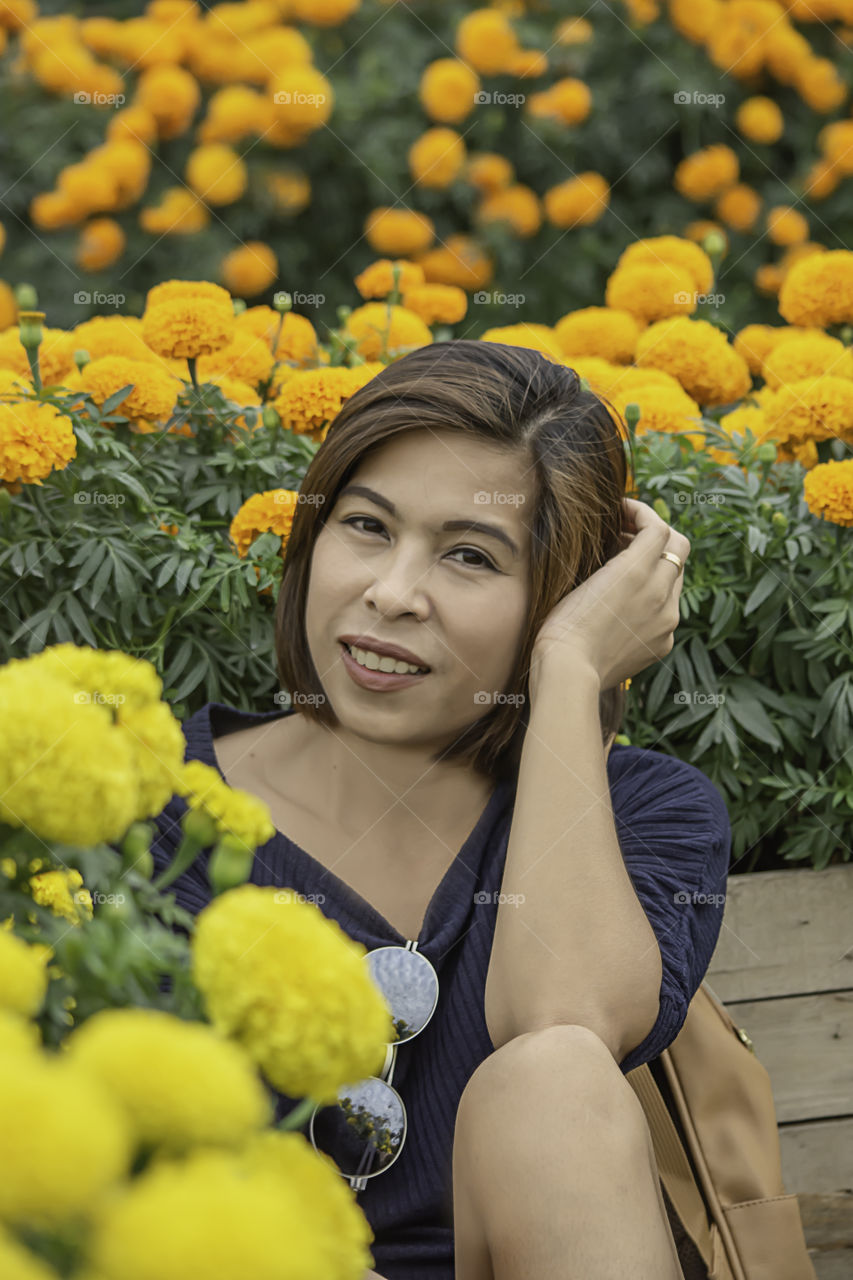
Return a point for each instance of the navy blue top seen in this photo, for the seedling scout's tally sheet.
(675, 836)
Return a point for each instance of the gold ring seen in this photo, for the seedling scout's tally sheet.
(670, 555)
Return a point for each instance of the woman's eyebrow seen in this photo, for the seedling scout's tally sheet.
(491, 530)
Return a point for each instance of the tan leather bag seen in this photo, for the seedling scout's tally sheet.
(735, 1209)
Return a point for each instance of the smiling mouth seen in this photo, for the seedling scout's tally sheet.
(378, 670)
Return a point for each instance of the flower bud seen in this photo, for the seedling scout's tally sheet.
(632, 416)
(26, 297)
(714, 243)
(662, 509)
(766, 452)
(764, 510)
(780, 521)
(81, 359)
(343, 314)
(136, 844)
(200, 828)
(269, 416)
(230, 864)
(238, 306)
(29, 327)
(282, 301)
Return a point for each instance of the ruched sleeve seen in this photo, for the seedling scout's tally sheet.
(674, 831)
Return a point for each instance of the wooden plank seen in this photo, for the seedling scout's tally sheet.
(828, 1222)
(806, 1045)
(817, 1157)
(837, 1264)
(785, 933)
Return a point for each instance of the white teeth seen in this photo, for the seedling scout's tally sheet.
(381, 662)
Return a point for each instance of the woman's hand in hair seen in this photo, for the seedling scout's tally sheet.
(623, 617)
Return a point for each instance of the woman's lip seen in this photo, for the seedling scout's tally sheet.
(377, 681)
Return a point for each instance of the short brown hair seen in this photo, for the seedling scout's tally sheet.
(576, 445)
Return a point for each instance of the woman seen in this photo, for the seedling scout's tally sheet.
(464, 517)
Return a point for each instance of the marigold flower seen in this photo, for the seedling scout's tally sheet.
(820, 85)
(706, 173)
(250, 268)
(437, 303)
(179, 213)
(247, 357)
(298, 342)
(398, 232)
(437, 158)
(244, 1213)
(807, 356)
(311, 399)
(817, 291)
(578, 201)
(217, 173)
(35, 439)
(836, 143)
(170, 290)
(187, 326)
(755, 342)
(179, 1083)
(662, 408)
(323, 13)
(651, 291)
(517, 205)
(63, 892)
(101, 242)
(235, 112)
(538, 337)
(136, 122)
(235, 813)
(291, 191)
(309, 1041)
(460, 261)
(828, 491)
(699, 356)
(786, 225)
(55, 354)
(768, 278)
(602, 331)
(760, 119)
(303, 98)
(171, 94)
(447, 90)
(738, 207)
(812, 409)
(568, 101)
(695, 19)
(377, 280)
(154, 390)
(674, 250)
(488, 171)
(24, 975)
(382, 330)
(573, 31)
(486, 41)
(268, 512)
(702, 228)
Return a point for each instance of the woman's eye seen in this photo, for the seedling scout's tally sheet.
(486, 563)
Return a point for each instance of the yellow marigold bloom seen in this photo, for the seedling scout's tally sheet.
(129, 162)
(437, 303)
(599, 331)
(817, 291)
(217, 173)
(662, 408)
(786, 225)
(578, 201)
(268, 512)
(63, 893)
(179, 213)
(643, 11)
(170, 290)
(836, 143)
(171, 94)
(674, 250)
(695, 19)
(760, 119)
(486, 41)
(234, 112)
(437, 158)
(518, 205)
(187, 326)
(136, 122)
(179, 1083)
(377, 280)
(291, 191)
(12, 385)
(828, 491)
(807, 356)
(651, 291)
(272, 971)
(35, 439)
(706, 173)
(568, 101)
(238, 1216)
(57, 1161)
(573, 31)
(247, 357)
(311, 399)
(755, 342)
(460, 261)
(699, 356)
(820, 180)
(323, 13)
(153, 394)
(488, 171)
(55, 353)
(738, 207)
(24, 976)
(53, 209)
(447, 90)
(768, 278)
(112, 335)
(384, 331)
(812, 409)
(101, 242)
(820, 85)
(398, 232)
(796, 252)
(527, 63)
(298, 343)
(537, 337)
(8, 307)
(785, 49)
(16, 1261)
(303, 98)
(15, 14)
(737, 42)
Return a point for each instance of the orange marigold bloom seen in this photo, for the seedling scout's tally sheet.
(246, 357)
(573, 31)
(760, 119)
(819, 85)
(704, 227)
(828, 491)
(653, 250)
(312, 398)
(755, 342)
(437, 303)
(55, 354)
(437, 158)
(447, 90)
(169, 290)
(171, 94)
(707, 172)
(153, 394)
(135, 122)
(599, 331)
(187, 327)
(786, 225)
(268, 512)
(569, 102)
(488, 171)
(807, 356)
(695, 19)
(578, 201)
(836, 142)
(818, 290)
(250, 268)
(101, 242)
(651, 291)
(518, 205)
(399, 233)
(383, 330)
(217, 173)
(486, 41)
(377, 280)
(179, 213)
(738, 207)
(538, 337)
(303, 98)
(812, 409)
(460, 261)
(35, 439)
(298, 343)
(699, 356)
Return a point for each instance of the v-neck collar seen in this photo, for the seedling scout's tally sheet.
(281, 858)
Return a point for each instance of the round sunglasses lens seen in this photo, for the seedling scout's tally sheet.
(364, 1132)
(409, 984)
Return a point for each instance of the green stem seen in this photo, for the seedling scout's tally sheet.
(297, 1117)
(191, 361)
(185, 855)
(33, 357)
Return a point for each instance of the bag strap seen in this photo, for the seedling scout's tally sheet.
(673, 1165)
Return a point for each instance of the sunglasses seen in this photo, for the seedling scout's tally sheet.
(364, 1131)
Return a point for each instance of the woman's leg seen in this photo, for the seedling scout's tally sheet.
(554, 1176)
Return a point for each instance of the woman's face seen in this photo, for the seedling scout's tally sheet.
(457, 599)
